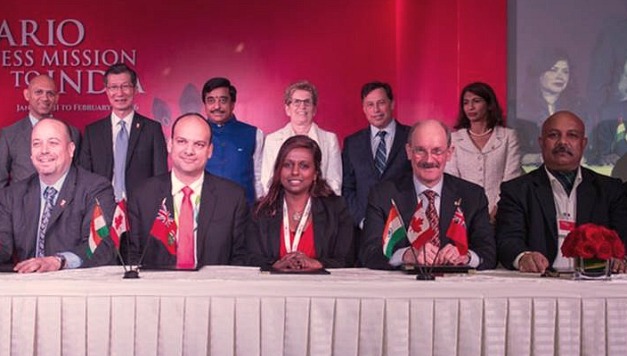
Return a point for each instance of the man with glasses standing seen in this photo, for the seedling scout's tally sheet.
(442, 196)
(237, 146)
(124, 147)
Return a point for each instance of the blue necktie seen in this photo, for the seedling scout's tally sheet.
(119, 159)
(381, 154)
(49, 194)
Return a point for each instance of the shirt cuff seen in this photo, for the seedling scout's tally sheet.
(397, 258)
(517, 259)
(475, 260)
(71, 260)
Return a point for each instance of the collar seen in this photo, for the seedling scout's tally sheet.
(553, 179)
(33, 120)
(177, 185)
(128, 119)
(313, 131)
(420, 188)
(390, 129)
(56, 185)
(230, 121)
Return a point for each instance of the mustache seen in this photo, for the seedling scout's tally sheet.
(217, 111)
(562, 149)
(428, 165)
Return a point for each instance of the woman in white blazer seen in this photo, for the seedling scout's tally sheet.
(485, 151)
(301, 100)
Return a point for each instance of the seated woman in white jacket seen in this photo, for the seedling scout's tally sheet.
(486, 153)
(301, 100)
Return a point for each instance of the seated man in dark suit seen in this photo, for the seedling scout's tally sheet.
(124, 147)
(15, 162)
(428, 149)
(537, 210)
(45, 219)
(210, 213)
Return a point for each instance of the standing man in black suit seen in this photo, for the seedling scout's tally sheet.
(429, 148)
(537, 210)
(216, 207)
(45, 219)
(384, 138)
(124, 147)
(15, 162)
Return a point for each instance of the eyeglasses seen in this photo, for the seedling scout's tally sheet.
(124, 87)
(422, 152)
(299, 102)
(217, 99)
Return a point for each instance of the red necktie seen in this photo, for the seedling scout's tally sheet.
(185, 248)
(432, 216)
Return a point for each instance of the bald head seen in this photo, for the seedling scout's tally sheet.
(563, 141)
(41, 95)
(52, 149)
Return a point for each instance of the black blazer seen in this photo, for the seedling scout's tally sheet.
(68, 227)
(359, 174)
(146, 156)
(526, 216)
(474, 205)
(333, 234)
(221, 220)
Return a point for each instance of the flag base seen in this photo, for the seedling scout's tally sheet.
(131, 274)
(425, 277)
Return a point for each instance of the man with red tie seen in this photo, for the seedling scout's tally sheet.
(206, 216)
(441, 196)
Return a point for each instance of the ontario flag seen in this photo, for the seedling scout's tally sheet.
(393, 232)
(164, 229)
(457, 231)
(120, 223)
(420, 231)
(98, 230)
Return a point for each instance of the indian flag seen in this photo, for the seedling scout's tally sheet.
(98, 230)
(393, 232)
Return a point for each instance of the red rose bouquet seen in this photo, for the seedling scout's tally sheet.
(593, 241)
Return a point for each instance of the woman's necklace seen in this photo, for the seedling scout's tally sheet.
(479, 134)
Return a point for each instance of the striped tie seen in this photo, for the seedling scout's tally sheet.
(432, 216)
(381, 154)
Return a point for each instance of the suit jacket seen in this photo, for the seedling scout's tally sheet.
(15, 163)
(497, 162)
(69, 224)
(359, 174)
(146, 155)
(333, 234)
(222, 219)
(526, 216)
(331, 156)
(473, 204)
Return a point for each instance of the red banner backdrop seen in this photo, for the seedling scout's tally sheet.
(426, 49)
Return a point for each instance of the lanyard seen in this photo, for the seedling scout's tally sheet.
(299, 231)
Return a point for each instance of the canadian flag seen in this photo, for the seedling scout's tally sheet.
(120, 223)
(420, 231)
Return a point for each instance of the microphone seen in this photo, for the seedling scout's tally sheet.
(426, 274)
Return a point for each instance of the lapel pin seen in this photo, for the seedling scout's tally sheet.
(137, 125)
(458, 202)
(62, 203)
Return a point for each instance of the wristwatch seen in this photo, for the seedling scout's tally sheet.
(62, 261)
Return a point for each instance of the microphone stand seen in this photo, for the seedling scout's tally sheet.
(423, 274)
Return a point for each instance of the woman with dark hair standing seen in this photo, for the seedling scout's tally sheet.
(550, 87)
(485, 152)
(300, 224)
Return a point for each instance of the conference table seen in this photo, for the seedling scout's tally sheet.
(228, 310)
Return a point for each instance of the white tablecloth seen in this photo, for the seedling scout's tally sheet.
(240, 311)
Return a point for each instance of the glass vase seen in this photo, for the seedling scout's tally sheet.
(592, 269)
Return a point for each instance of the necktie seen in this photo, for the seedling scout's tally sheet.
(381, 154)
(119, 168)
(185, 248)
(49, 194)
(432, 216)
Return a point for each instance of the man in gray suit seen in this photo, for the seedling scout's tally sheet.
(15, 163)
(45, 219)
